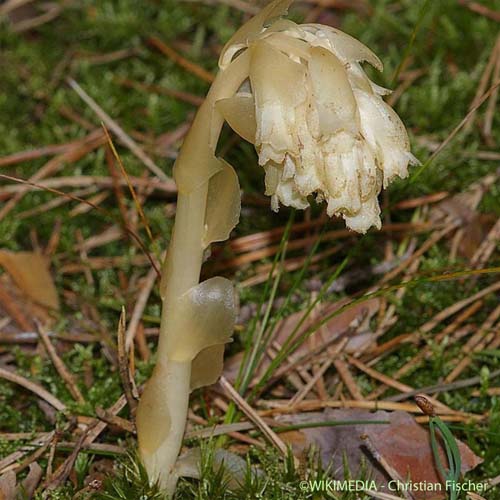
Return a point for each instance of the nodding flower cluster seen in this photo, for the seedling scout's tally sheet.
(319, 125)
(320, 128)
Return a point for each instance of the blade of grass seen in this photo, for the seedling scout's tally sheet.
(262, 345)
(411, 41)
(137, 203)
(453, 133)
(252, 347)
(287, 348)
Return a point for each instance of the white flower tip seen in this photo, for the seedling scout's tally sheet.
(321, 127)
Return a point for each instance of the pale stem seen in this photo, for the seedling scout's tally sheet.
(162, 411)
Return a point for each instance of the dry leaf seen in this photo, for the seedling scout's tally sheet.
(29, 484)
(8, 486)
(30, 271)
(403, 444)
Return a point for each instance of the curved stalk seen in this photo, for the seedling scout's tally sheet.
(162, 410)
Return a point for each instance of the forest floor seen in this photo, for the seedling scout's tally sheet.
(413, 308)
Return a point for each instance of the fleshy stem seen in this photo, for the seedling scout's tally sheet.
(162, 411)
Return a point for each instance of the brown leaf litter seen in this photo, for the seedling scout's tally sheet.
(401, 445)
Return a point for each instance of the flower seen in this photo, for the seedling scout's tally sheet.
(319, 125)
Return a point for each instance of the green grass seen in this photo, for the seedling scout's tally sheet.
(451, 43)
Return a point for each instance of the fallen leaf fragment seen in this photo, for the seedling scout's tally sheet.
(30, 272)
(30, 482)
(403, 445)
(8, 486)
(10, 490)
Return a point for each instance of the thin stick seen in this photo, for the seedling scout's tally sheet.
(177, 94)
(112, 419)
(118, 131)
(123, 364)
(32, 387)
(390, 382)
(99, 209)
(14, 310)
(431, 389)
(18, 454)
(454, 132)
(59, 365)
(253, 416)
(180, 60)
(84, 181)
(278, 408)
(346, 376)
(140, 305)
(476, 343)
(91, 142)
(137, 203)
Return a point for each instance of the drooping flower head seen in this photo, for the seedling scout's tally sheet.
(319, 125)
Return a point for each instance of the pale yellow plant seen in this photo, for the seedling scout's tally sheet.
(321, 128)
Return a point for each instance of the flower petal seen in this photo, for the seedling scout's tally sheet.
(384, 131)
(335, 100)
(239, 112)
(345, 47)
(279, 86)
(250, 29)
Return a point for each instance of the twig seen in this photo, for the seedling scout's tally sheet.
(253, 416)
(34, 22)
(105, 263)
(32, 387)
(112, 419)
(84, 442)
(492, 103)
(299, 396)
(459, 384)
(421, 250)
(423, 353)
(33, 154)
(391, 382)
(140, 305)
(455, 131)
(11, 5)
(118, 131)
(124, 367)
(475, 343)
(56, 202)
(177, 94)
(134, 235)
(18, 454)
(60, 366)
(393, 473)
(64, 470)
(180, 60)
(346, 376)
(34, 456)
(436, 320)
(117, 189)
(487, 247)
(282, 407)
(84, 181)
(92, 141)
(481, 10)
(137, 203)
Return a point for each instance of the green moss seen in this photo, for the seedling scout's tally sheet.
(452, 45)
